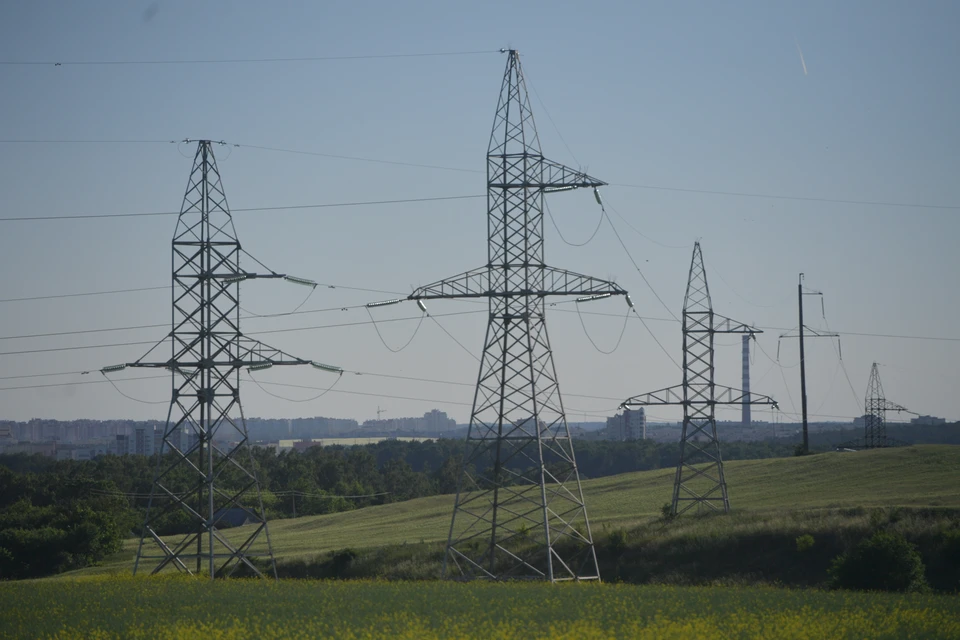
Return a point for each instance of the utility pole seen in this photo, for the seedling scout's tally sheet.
(211, 477)
(519, 510)
(803, 360)
(699, 479)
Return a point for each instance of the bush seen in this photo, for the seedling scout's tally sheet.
(883, 562)
(804, 542)
(617, 542)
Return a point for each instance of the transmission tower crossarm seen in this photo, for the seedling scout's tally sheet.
(730, 395)
(886, 405)
(530, 171)
(491, 282)
(723, 324)
(668, 396)
(252, 353)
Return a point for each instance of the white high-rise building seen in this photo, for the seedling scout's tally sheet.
(630, 425)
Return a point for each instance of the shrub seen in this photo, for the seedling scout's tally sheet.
(804, 542)
(666, 511)
(882, 562)
(617, 542)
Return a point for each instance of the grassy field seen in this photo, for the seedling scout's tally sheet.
(919, 476)
(105, 607)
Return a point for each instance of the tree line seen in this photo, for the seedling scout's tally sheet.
(61, 515)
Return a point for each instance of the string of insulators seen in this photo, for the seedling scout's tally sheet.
(304, 281)
(326, 367)
(384, 303)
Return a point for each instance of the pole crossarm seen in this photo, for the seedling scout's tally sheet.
(814, 333)
(496, 281)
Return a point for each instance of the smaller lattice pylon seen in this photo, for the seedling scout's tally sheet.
(699, 479)
(875, 407)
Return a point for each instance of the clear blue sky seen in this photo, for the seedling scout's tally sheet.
(681, 95)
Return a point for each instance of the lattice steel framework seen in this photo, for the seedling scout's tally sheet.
(699, 479)
(875, 407)
(209, 484)
(519, 510)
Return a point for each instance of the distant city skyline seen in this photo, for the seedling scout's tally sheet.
(839, 162)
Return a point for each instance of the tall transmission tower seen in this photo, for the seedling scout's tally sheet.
(519, 510)
(875, 407)
(207, 484)
(699, 480)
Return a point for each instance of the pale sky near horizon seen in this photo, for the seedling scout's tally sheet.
(700, 106)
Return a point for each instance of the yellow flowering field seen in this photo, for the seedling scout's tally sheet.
(104, 607)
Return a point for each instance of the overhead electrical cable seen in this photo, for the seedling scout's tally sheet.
(310, 399)
(267, 331)
(642, 234)
(637, 267)
(328, 205)
(560, 233)
(623, 330)
(743, 194)
(337, 156)
(77, 295)
(380, 335)
(385, 56)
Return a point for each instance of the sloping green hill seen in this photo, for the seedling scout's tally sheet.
(919, 476)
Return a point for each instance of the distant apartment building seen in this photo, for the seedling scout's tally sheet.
(433, 422)
(629, 425)
(927, 421)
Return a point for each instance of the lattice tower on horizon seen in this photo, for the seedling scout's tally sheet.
(875, 407)
(699, 480)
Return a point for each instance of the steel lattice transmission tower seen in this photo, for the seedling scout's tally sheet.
(699, 479)
(207, 481)
(875, 407)
(519, 510)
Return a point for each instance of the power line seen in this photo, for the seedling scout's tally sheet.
(355, 158)
(267, 331)
(101, 293)
(771, 196)
(245, 210)
(87, 293)
(50, 141)
(64, 63)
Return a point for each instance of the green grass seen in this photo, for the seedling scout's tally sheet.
(112, 607)
(919, 476)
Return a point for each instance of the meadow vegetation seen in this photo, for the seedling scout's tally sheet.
(831, 501)
(107, 607)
